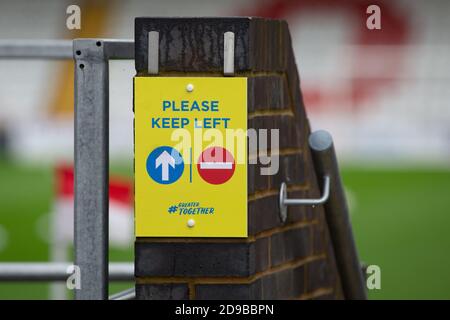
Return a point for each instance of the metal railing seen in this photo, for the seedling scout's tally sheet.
(91, 58)
(92, 159)
(56, 271)
(36, 49)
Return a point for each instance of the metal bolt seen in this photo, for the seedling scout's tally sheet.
(191, 223)
(190, 87)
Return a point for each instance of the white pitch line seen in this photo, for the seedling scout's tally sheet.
(216, 165)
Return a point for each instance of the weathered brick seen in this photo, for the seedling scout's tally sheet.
(318, 238)
(258, 45)
(266, 53)
(292, 74)
(261, 181)
(310, 172)
(297, 213)
(285, 284)
(262, 259)
(250, 291)
(338, 292)
(299, 109)
(260, 122)
(263, 124)
(291, 171)
(267, 93)
(326, 296)
(331, 262)
(263, 214)
(295, 92)
(290, 245)
(288, 130)
(286, 44)
(251, 123)
(194, 259)
(162, 291)
(319, 275)
(311, 212)
(251, 173)
(251, 95)
(192, 44)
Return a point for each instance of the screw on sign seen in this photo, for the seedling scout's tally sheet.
(216, 165)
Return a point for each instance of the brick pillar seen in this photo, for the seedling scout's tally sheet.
(291, 260)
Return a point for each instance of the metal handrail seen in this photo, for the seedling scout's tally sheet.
(337, 217)
(56, 271)
(35, 49)
(311, 202)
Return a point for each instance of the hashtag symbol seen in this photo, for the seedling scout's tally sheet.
(172, 209)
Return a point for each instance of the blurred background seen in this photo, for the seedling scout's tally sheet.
(383, 94)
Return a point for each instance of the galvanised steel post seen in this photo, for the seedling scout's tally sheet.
(91, 168)
(91, 159)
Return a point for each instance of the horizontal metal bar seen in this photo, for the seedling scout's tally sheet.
(51, 271)
(129, 294)
(36, 49)
(321, 200)
(117, 49)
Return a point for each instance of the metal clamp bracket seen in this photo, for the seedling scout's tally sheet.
(285, 202)
(153, 53)
(228, 53)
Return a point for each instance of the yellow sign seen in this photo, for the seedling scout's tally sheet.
(190, 157)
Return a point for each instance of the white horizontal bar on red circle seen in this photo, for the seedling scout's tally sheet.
(216, 165)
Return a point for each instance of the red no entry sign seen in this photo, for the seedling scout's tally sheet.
(216, 165)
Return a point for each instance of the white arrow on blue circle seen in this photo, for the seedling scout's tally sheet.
(164, 160)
